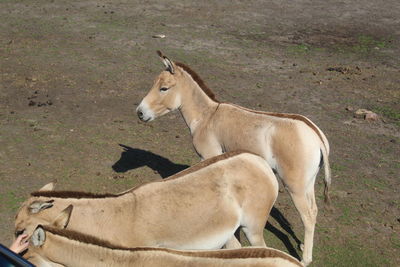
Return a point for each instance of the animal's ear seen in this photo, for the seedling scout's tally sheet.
(38, 237)
(167, 62)
(62, 220)
(126, 148)
(37, 206)
(48, 187)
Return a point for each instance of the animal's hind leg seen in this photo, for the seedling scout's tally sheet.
(253, 224)
(253, 228)
(307, 207)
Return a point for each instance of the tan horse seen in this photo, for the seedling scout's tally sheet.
(198, 208)
(54, 247)
(292, 145)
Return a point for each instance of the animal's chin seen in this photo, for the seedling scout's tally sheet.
(147, 119)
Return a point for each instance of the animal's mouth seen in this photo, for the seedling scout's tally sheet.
(19, 232)
(145, 119)
(142, 116)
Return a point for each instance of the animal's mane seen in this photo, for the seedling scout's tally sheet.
(78, 195)
(198, 80)
(218, 254)
(206, 163)
(71, 194)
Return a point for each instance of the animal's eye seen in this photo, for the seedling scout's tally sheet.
(163, 89)
(19, 232)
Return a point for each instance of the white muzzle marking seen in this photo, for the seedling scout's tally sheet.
(144, 112)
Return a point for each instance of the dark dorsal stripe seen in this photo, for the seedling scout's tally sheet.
(206, 163)
(71, 194)
(198, 80)
(218, 254)
(78, 195)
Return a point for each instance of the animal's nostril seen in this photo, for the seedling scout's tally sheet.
(140, 114)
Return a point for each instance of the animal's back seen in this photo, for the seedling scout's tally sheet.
(245, 257)
(236, 128)
(212, 195)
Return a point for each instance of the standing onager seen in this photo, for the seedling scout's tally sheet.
(292, 145)
(198, 208)
(50, 246)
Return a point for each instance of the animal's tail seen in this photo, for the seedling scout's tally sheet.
(327, 170)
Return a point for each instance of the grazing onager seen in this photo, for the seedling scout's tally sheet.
(50, 246)
(293, 146)
(198, 208)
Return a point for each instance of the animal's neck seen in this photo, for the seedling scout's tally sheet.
(196, 104)
(69, 252)
(98, 210)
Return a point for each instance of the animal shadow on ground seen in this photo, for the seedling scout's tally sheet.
(284, 223)
(132, 158)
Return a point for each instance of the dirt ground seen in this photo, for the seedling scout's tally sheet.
(73, 72)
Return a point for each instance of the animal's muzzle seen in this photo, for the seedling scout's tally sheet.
(140, 114)
(144, 113)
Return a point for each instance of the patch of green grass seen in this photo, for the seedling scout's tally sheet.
(11, 201)
(389, 113)
(345, 217)
(365, 43)
(17, 139)
(300, 49)
(395, 240)
(337, 167)
(62, 141)
(304, 49)
(352, 254)
(319, 49)
(375, 183)
(396, 165)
